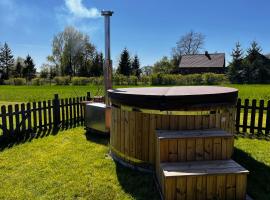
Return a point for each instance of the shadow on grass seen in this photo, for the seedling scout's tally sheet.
(97, 137)
(20, 138)
(139, 185)
(259, 176)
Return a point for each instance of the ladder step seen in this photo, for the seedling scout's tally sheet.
(203, 180)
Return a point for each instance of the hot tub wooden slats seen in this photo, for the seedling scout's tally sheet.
(133, 133)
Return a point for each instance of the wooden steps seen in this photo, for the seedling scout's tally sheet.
(220, 179)
(195, 164)
(191, 145)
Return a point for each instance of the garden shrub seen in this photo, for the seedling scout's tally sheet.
(80, 81)
(96, 80)
(39, 81)
(62, 80)
(15, 81)
(133, 80)
(145, 80)
(213, 79)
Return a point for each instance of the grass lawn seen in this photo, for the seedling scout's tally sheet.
(69, 165)
(254, 155)
(9, 94)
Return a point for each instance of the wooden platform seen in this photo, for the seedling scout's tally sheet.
(222, 179)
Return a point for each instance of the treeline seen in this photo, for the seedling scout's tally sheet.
(119, 79)
(11, 68)
(249, 67)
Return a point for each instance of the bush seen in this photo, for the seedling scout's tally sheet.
(80, 81)
(133, 80)
(39, 81)
(120, 79)
(214, 79)
(145, 80)
(62, 80)
(96, 80)
(15, 81)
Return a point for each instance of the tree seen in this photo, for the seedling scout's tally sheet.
(29, 70)
(190, 43)
(6, 60)
(163, 66)
(124, 66)
(18, 68)
(235, 68)
(71, 51)
(135, 67)
(97, 66)
(147, 70)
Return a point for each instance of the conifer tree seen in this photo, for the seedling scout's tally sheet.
(6, 61)
(29, 70)
(124, 66)
(236, 66)
(135, 67)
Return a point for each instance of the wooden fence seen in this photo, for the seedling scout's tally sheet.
(45, 115)
(251, 117)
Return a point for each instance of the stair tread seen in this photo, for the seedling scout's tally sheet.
(195, 168)
(171, 134)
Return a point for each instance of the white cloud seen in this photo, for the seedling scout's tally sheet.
(77, 9)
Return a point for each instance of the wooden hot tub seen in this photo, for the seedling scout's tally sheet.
(138, 112)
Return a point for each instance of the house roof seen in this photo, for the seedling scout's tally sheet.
(202, 60)
(267, 56)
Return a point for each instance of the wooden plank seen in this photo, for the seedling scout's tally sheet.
(29, 117)
(173, 122)
(152, 138)
(221, 187)
(10, 119)
(190, 122)
(164, 150)
(126, 133)
(35, 124)
(218, 119)
(165, 122)
(206, 120)
(132, 129)
(208, 149)
(201, 188)
(145, 137)
(238, 112)
(230, 187)
(182, 150)
(212, 120)
(78, 110)
(230, 147)
(70, 112)
(217, 149)
(138, 140)
(241, 184)
(267, 129)
(182, 123)
(122, 131)
(23, 118)
(224, 152)
(173, 151)
(74, 111)
(191, 188)
(118, 134)
(62, 103)
(211, 187)
(81, 111)
(170, 188)
(181, 188)
(191, 145)
(45, 114)
(67, 116)
(158, 122)
(253, 114)
(199, 149)
(50, 113)
(245, 117)
(40, 116)
(260, 117)
(17, 119)
(4, 120)
(198, 122)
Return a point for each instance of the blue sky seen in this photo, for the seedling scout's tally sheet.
(147, 28)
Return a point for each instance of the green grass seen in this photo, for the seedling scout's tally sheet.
(254, 154)
(38, 93)
(69, 165)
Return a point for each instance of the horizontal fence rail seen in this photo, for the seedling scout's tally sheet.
(252, 117)
(43, 115)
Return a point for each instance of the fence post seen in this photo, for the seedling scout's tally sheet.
(56, 112)
(267, 130)
(238, 109)
(4, 120)
(88, 96)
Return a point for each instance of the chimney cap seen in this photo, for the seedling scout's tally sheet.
(106, 13)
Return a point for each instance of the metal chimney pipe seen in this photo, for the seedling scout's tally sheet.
(107, 67)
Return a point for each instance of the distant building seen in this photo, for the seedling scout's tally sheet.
(202, 63)
(267, 56)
